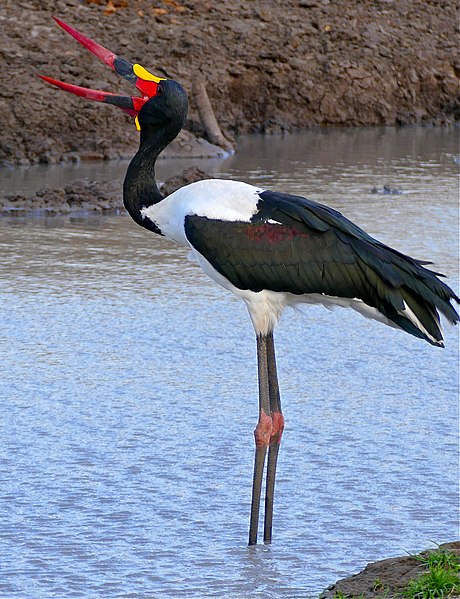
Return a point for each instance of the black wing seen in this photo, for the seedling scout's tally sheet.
(295, 245)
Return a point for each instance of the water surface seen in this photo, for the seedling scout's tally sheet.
(129, 394)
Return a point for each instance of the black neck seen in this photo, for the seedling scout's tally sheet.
(139, 188)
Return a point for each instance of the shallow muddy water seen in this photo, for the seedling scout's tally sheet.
(129, 394)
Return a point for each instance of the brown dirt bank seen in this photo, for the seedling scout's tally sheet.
(80, 196)
(269, 66)
(385, 579)
(85, 196)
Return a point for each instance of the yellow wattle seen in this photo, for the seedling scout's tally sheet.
(142, 73)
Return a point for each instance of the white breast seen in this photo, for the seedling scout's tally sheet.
(214, 198)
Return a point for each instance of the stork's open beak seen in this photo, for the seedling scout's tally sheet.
(145, 82)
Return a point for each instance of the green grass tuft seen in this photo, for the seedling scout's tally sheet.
(442, 579)
(378, 585)
(442, 558)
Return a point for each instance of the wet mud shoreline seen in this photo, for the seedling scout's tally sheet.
(386, 578)
(268, 67)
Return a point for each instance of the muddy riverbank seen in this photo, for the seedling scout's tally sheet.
(85, 196)
(268, 67)
(386, 578)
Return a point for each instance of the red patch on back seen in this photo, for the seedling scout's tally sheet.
(272, 233)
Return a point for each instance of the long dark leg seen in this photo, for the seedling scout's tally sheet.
(275, 439)
(262, 435)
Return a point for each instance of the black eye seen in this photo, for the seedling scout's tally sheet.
(160, 90)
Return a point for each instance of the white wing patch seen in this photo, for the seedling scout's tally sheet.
(409, 314)
(212, 198)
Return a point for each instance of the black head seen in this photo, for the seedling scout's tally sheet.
(167, 109)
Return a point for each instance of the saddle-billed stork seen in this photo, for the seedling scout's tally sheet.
(271, 249)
